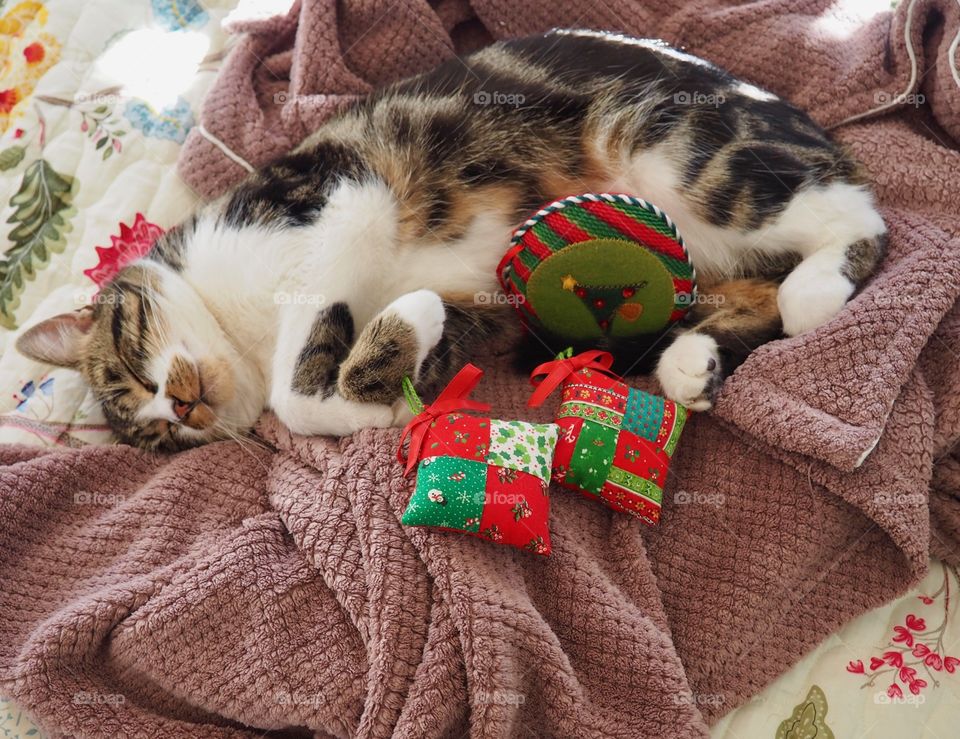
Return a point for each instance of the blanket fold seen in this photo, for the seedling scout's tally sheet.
(829, 394)
(227, 590)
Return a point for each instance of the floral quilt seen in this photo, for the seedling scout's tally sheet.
(96, 97)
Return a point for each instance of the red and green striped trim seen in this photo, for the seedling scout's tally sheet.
(579, 218)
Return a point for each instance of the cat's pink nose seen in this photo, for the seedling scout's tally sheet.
(182, 409)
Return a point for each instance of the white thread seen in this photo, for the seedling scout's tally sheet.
(952, 56)
(227, 151)
(910, 84)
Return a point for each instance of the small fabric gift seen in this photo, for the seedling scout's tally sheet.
(615, 441)
(482, 476)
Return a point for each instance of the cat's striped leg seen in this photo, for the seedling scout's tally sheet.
(818, 288)
(730, 320)
(310, 348)
(392, 346)
(422, 337)
(841, 238)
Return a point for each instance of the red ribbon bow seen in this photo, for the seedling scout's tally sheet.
(455, 397)
(559, 370)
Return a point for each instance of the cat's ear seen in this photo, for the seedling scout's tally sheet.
(58, 340)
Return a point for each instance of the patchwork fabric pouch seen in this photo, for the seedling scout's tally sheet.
(615, 442)
(482, 476)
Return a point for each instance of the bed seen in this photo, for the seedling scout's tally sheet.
(96, 99)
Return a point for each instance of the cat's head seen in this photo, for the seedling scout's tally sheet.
(165, 372)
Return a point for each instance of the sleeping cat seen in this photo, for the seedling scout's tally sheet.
(319, 282)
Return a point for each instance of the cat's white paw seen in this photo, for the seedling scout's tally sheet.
(369, 416)
(689, 371)
(333, 416)
(423, 311)
(808, 300)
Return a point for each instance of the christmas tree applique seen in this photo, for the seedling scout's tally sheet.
(606, 302)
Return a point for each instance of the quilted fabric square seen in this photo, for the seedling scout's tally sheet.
(502, 505)
(615, 441)
(526, 447)
(458, 435)
(481, 476)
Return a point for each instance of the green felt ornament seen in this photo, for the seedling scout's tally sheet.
(599, 265)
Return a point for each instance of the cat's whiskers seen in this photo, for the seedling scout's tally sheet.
(246, 442)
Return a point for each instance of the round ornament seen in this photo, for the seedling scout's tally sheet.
(599, 265)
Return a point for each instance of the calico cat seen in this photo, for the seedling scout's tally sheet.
(320, 281)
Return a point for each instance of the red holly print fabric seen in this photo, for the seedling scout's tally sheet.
(458, 435)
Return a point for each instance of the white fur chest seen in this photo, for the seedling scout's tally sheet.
(351, 254)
